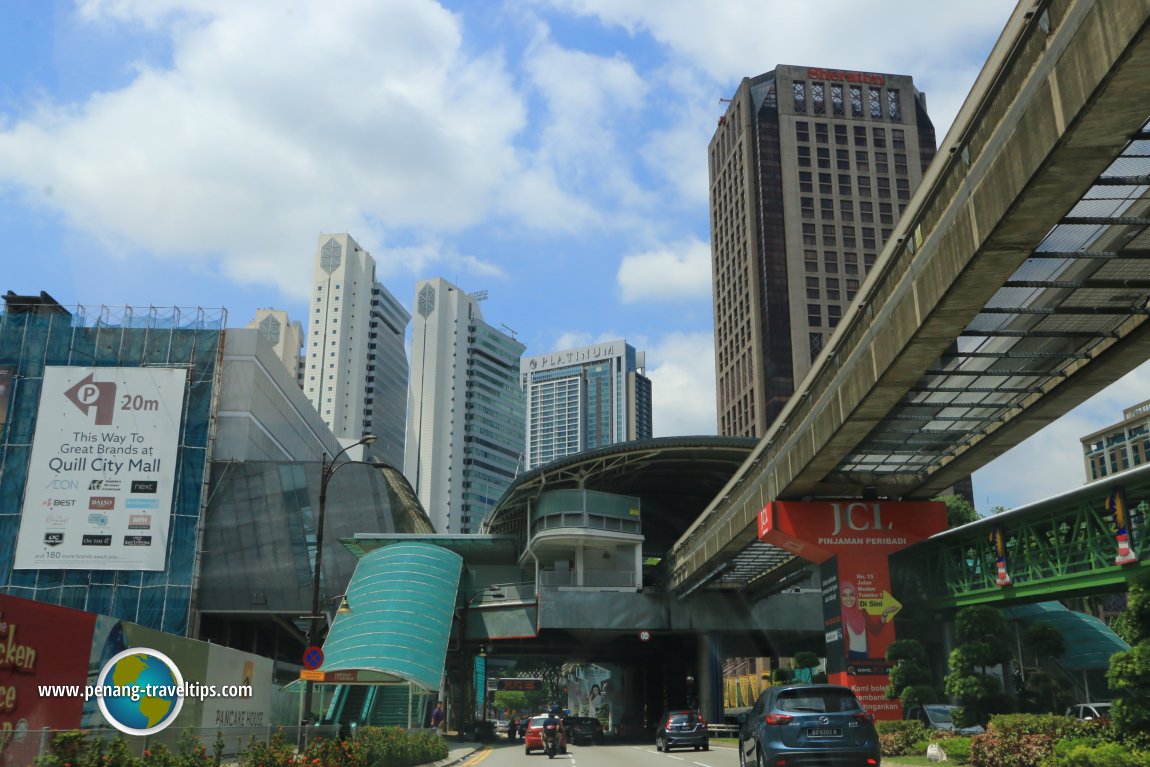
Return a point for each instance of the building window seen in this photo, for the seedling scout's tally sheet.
(880, 164)
(903, 187)
(812, 288)
(856, 101)
(893, 110)
(827, 209)
(844, 185)
(864, 186)
(829, 235)
(884, 187)
(824, 183)
(807, 207)
(804, 157)
(824, 155)
(879, 135)
(860, 135)
(866, 212)
(834, 314)
(809, 234)
(852, 287)
(822, 136)
(818, 98)
(802, 132)
(868, 240)
(885, 215)
(900, 164)
(811, 260)
(816, 344)
(843, 159)
(898, 138)
(847, 210)
(814, 315)
(837, 100)
(832, 288)
(805, 184)
(875, 104)
(831, 262)
(862, 161)
(800, 92)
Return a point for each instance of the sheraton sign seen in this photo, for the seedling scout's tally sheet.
(836, 75)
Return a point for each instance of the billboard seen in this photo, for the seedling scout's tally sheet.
(851, 541)
(102, 472)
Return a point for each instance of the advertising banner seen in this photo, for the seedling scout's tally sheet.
(102, 471)
(852, 542)
(245, 715)
(39, 645)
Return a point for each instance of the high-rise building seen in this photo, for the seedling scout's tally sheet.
(810, 169)
(283, 334)
(356, 367)
(465, 408)
(1120, 446)
(584, 398)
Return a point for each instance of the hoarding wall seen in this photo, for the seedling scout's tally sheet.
(165, 361)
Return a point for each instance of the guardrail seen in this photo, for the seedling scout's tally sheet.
(723, 730)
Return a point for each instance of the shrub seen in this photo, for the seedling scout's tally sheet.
(897, 738)
(1024, 740)
(1079, 753)
(957, 749)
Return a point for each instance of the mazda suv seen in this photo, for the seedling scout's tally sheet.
(809, 724)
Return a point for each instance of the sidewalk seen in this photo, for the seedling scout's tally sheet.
(457, 752)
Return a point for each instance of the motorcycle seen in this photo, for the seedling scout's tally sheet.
(551, 738)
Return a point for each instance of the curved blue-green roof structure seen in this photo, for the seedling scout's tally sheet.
(398, 617)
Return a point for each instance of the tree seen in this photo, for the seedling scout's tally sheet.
(959, 511)
(978, 630)
(910, 678)
(1046, 643)
(1129, 673)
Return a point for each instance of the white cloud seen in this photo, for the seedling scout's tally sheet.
(682, 372)
(671, 273)
(1051, 462)
(730, 40)
(271, 126)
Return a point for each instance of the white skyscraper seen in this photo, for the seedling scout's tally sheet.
(356, 368)
(465, 408)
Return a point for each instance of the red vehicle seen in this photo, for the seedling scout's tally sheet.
(533, 739)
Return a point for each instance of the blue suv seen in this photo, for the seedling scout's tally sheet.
(808, 724)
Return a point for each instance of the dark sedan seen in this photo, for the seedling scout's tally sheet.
(583, 729)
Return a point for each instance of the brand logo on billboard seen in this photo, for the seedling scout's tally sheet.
(110, 485)
(56, 503)
(858, 516)
(88, 394)
(144, 486)
(55, 520)
(53, 539)
(141, 503)
(63, 484)
(139, 521)
(137, 540)
(100, 520)
(96, 540)
(101, 503)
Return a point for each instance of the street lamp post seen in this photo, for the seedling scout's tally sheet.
(327, 469)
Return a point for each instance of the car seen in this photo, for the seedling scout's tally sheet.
(807, 724)
(533, 739)
(583, 729)
(1088, 711)
(681, 728)
(939, 716)
(501, 725)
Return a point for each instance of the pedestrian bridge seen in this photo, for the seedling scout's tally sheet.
(1015, 287)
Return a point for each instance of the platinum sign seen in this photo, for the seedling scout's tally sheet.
(102, 471)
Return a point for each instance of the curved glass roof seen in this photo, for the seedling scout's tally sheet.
(398, 617)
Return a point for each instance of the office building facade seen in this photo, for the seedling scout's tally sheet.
(809, 170)
(465, 408)
(356, 364)
(1120, 446)
(584, 398)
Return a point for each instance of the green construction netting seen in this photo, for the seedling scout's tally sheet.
(400, 602)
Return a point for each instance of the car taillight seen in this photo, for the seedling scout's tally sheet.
(777, 719)
(865, 716)
(871, 760)
(702, 721)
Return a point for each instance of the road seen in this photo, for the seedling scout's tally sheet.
(504, 754)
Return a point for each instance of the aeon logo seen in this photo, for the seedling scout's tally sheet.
(88, 394)
(858, 516)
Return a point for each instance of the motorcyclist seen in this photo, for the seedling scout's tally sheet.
(553, 732)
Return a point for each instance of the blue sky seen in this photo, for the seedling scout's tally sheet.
(551, 152)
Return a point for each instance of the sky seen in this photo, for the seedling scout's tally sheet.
(550, 152)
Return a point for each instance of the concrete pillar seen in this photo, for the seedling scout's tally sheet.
(708, 677)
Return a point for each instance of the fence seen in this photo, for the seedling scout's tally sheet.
(25, 746)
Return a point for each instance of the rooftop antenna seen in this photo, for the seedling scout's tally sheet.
(509, 330)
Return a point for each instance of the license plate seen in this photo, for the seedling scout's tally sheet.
(825, 732)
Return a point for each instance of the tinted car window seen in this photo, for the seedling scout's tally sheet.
(817, 701)
(679, 718)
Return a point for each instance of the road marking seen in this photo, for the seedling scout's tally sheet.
(479, 757)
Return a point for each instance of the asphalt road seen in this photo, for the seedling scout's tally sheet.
(503, 754)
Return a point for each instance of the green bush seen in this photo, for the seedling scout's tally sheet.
(957, 749)
(897, 738)
(1025, 740)
(1083, 753)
